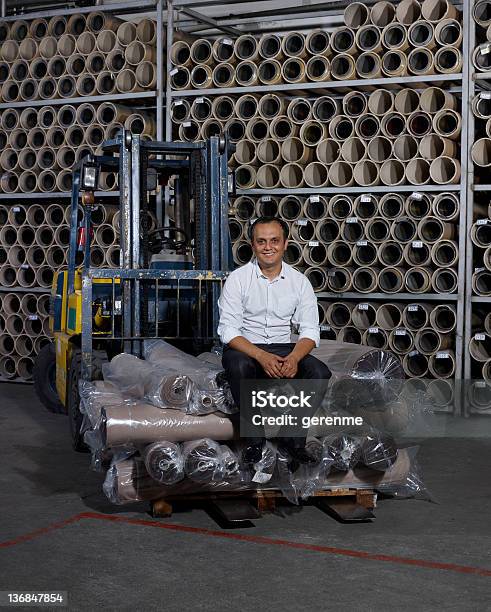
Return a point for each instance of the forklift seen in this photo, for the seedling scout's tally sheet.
(169, 280)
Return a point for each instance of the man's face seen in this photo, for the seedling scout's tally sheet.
(269, 244)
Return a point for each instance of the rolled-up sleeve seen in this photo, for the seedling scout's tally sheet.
(230, 309)
(306, 315)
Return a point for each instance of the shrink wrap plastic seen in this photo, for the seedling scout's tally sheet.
(128, 481)
(169, 378)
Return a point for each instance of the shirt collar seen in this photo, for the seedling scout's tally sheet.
(282, 273)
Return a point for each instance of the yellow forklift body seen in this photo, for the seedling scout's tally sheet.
(65, 322)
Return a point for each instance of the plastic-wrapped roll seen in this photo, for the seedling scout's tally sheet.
(206, 461)
(379, 452)
(344, 451)
(175, 391)
(164, 462)
(140, 423)
(361, 373)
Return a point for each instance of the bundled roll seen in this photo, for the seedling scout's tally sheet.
(343, 451)
(379, 452)
(164, 462)
(206, 461)
(360, 374)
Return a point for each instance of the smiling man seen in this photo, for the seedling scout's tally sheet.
(258, 305)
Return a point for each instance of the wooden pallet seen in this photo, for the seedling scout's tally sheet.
(345, 503)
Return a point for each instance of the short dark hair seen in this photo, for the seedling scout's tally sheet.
(265, 220)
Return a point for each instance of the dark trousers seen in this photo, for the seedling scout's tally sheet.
(239, 366)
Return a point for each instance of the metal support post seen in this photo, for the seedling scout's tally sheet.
(466, 251)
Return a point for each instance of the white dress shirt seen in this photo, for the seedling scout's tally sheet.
(263, 310)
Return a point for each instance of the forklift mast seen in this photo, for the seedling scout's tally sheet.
(200, 175)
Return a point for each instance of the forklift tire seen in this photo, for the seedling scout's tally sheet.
(44, 376)
(75, 417)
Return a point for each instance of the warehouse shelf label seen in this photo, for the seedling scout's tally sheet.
(442, 355)
(416, 195)
(373, 330)
(315, 198)
(362, 243)
(352, 220)
(266, 199)
(482, 221)
(413, 308)
(366, 198)
(362, 306)
(313, 243)
(417, 244)
(33, 317)
(400, 332)
(479, 337)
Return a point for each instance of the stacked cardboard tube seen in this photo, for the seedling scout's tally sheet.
(392, 243)
(84, 55)
(34, 243)
(365, 139)
(479, 347)
(383, 41)
(23, 332)
(41, 145)
(421, 334)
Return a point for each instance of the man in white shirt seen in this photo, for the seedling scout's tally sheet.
(259, 303)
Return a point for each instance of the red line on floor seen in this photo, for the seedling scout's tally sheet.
(359, 554)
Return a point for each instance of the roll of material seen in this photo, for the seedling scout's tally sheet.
(128, 481)
(343, 452)
(379, 452)
(164, 382)
(142, 423)
(206, 461)
(164, 462)
(360, 373)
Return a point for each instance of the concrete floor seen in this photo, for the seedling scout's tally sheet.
(125, 565)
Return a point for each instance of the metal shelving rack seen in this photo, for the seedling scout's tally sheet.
(147, 99)
(476, 82)
(154, 99)
(180, 10)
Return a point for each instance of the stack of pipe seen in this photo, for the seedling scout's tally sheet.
(365, 139)
(393, 243)
(41, 144)
(482, 17)
(84, 55)
(24, 330)
(34, 242)
(414, 38)
(479, 388)
(421, 334)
